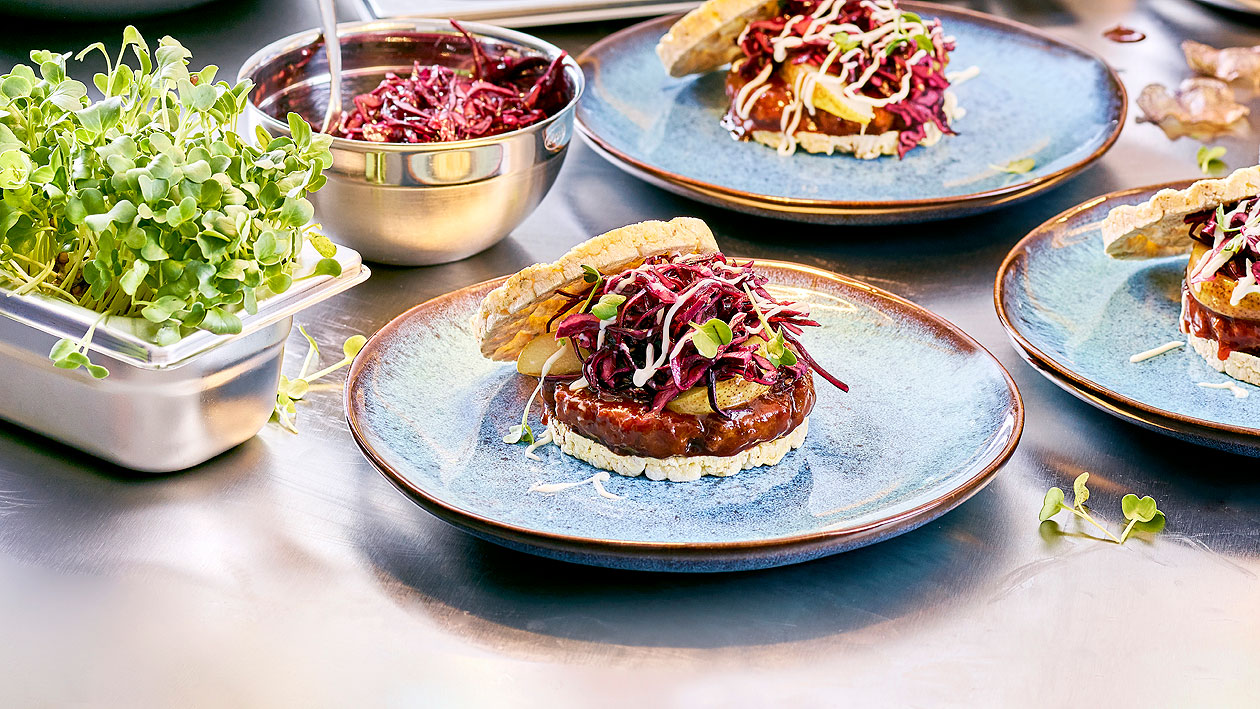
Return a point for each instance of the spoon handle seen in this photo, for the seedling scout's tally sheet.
(332, 45)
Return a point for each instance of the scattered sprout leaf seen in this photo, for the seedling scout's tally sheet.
(1209, 159)
(1051, 504)
(1080, 492)
(290, 391)
(1017, 167)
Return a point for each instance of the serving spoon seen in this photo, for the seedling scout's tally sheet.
(332, 45)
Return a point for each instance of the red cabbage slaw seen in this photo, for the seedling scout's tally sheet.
(646, 352)
(440, 104)
(1232, 234)
(853, 39)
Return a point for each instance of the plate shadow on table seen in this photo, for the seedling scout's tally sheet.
(940, 564)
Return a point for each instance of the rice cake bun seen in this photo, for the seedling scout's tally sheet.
(1157, 228)
(677, 468)
(520, 309)
(705, 38)
(1243, 367)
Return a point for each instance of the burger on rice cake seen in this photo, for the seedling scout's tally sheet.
(655, 354)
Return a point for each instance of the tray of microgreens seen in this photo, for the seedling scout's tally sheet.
(148, 225)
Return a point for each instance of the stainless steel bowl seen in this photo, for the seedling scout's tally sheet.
(413, 204)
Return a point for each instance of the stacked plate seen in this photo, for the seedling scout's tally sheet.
(1084, 343)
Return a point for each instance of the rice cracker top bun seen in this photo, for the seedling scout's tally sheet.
(520, 309)
(1157, 228)
(705, 38)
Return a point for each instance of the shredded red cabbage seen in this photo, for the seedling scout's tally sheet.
(925, 103)
(439, 104)
(1241, 236)
(702, 287)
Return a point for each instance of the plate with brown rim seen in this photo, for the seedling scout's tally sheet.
(1078, 316)
(666, 131)
(930, 418)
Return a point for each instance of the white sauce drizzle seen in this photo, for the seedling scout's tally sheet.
(539, 442)
(529, 404)
(1157, 351)
(599, 340)
(1245, 286)
(641, 376)
(1238, 392)
(957, 77)
(892, 27)
(579, 383)
(597, 481)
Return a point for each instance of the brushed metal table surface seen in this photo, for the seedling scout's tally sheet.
(289, 573)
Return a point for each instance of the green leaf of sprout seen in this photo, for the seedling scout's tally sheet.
(778, 351)
(62, 349)
(711, 337)
(1017, 167)
(895, 44)
(845, 42)
(925, 43)
(353, 346)
(1079, 490)
(327, 267)
(1138, 509)
(1154, 526)
(590, 275)
(606, 308)
(519, 434)
(1051, 504)
(1209, 159)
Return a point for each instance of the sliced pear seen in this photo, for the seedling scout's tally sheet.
(833, 102)
(730, 394)
(540, 349)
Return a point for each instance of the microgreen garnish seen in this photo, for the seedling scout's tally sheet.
(1137, 511)
(846, 42)
(1017, 167)
(291, 391)
(148, 203)
(911, 17)
(924, 43)
(606, 308)
(893, 45)
(777, 351)
(775, 347)
(595, 279)
(1209, 159)
(519, 434)
(1142, 513)
(72, 354)
(711, 336)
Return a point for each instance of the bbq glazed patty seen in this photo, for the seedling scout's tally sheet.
(632, 428)
(1230, 334)
(1208, 314)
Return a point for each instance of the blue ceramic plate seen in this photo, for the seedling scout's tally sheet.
(1035, 96)
(1078, 316)
(931, 418)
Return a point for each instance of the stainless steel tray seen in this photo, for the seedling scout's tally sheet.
(161, 408)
